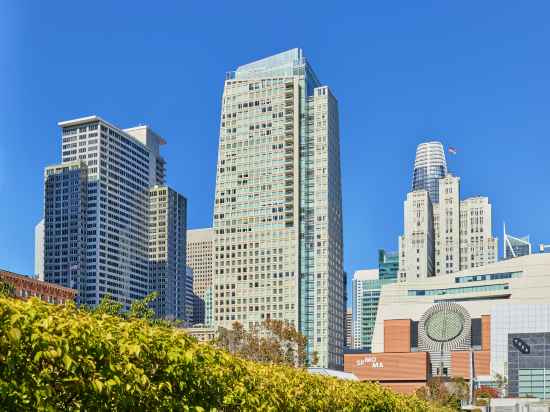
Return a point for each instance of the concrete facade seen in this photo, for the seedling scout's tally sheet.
(445, 237)
(278, 207)
(522, 280)
(199, 259)
(96, 212)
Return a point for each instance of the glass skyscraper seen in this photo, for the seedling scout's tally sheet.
(278, 208)
(430, 165)
(388, 264)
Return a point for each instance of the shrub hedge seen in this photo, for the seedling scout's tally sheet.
(62, 358)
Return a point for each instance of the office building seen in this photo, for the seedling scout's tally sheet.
(507, 320)
(96, 213)
(388, 264)
(430, 165)
(278, 207)
(514, 246)
(26, 287)
(167, 233)
(189, 297)
(208, 309)
(416, 245)
(445, 237)
(529, 365)
(348, 328)
(477, 244)
(199, 259)
(366, 285)
(65, 226)
(440, 326)
(39, 250)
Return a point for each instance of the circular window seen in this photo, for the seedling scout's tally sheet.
(444, 326)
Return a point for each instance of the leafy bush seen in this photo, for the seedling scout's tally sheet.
(62, 358)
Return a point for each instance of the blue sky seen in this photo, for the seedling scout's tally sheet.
(472, 74)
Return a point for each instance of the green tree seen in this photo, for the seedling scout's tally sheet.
(59, 357)
(444, 392)
(6, 289)
(274, 342)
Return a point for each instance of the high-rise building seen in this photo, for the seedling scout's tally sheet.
(39, 250)
(97, 213)
(367, 285)
(167, 227)
(65, 227)
(199, 259)
(348, 327)
(477, 244)
(388, 264)
(515, 246)
(430, 165)
(461, 233)
(416, 245)
(278, 214)
(189, 297)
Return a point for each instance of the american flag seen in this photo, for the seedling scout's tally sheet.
(452, 150)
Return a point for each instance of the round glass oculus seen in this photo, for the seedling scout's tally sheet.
(444, 325)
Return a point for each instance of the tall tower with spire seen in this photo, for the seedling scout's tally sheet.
(430, 165)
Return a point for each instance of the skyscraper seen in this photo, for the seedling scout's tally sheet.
(388, 264)
(97, 208)
(458, 231)
(515, 246)
(199, 259)
(348, 327)
(278, 214)
(167, 276)
(430, 165)
(416, 245)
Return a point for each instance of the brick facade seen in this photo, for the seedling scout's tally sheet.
(26, 287)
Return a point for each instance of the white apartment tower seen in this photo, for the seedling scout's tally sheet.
(278, 214)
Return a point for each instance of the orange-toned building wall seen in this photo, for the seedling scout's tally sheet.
(397, 335)
(395, 367)
(460, 364)
(485, 332)
(26, 287)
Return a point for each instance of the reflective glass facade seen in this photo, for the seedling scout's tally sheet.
(388, 264)
(430, 165)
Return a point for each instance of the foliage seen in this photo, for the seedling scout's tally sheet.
(486, 392)
(502, 384)
(274, 341)
(444, 392)
(6, 289)
(55, 357)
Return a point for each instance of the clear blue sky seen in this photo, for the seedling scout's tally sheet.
(473, 74)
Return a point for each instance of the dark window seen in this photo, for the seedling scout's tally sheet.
(476, 332)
